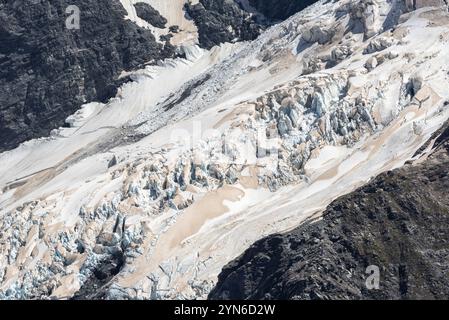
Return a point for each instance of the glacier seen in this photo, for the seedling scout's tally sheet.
(200, 157)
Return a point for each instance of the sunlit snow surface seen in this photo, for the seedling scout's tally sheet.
(181, 222)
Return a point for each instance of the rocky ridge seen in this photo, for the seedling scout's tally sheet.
(150, 15)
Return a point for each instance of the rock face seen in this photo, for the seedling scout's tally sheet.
(47, 71)
(280, 9)
(150, 15)
(221, 21)
(397, 223)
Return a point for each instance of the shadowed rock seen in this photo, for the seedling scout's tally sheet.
(150, 15)
(47, 71)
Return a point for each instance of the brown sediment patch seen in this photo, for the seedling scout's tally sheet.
(69, 284)
(47, 257)
(427, 97)
(436, 17)
(330, 173)
(34, 182)
(251, 181)
(188, 224)
(209, 207)
(284, 62)
(173, 11)
(53, 228)
(400, 33)
(192, 189)
(247, 108)
(130, 208)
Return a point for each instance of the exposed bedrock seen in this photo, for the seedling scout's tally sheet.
(150, 15)
(47, 71)
(280, 9)
(397, 223)
(221, 21)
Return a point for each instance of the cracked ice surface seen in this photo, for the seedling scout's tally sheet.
(201, 157)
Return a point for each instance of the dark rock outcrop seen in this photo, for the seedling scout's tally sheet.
(48, 71)
(103, 273)
(398, 223)
(280, 9)
(220, 21)
(150, 15)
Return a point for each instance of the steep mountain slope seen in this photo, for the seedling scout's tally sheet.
(47, 71)
(143, 197)
(398, 223)
(221, 21)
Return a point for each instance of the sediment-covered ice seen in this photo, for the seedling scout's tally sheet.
(201, 157)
